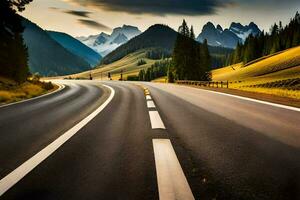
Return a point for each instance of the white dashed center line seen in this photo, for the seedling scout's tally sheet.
(150, 104)
(172, 183)
(156, 122)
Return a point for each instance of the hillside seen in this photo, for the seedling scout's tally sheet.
(128, 65)
(46, 56)
(156, 36)
(268, 67)
(76, 47)
(275, 74)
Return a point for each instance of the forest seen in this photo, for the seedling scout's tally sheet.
(278, 39)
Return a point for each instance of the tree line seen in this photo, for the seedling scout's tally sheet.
(157, 70)
(190, 60)
(13, 52)
(279, 38)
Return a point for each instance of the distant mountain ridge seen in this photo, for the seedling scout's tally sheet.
(76, 47)
(46, 56)
(229, 38)
(157, 36)
(105, 43)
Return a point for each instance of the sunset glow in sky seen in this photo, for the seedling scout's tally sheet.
(88, 17)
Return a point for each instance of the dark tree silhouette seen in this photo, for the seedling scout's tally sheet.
(191, 60)
(13, 52)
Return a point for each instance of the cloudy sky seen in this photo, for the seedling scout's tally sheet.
(87, 17)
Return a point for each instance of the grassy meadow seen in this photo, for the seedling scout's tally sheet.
(127, 65)
(278, 74)
(10, 91)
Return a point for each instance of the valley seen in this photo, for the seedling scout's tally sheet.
(145, 100)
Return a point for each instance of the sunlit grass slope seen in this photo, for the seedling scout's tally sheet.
(10, 91)
(127, 65)
(278, 74)
(268, 67)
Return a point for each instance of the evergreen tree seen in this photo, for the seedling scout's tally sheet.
(192, 34)
(141, 75)
(191, 60)
(13, 52)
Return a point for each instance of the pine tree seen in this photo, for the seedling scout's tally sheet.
(192, 34)
(141, 75)
(191, 60)
(13, 52)
(184, 29)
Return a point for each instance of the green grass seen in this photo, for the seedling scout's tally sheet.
(129, 66)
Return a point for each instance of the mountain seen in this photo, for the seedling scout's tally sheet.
(244, 31)
(229, 38)
(120, 39)
(46, 56)
(156, 36)
(76, 47)
(104, 43)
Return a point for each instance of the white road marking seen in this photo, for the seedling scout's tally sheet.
(156, 122)
(150, 104)
(12, 178)
(253, 100)
(148, 97)
(172, 183)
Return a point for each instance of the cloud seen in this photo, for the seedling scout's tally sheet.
(158, 7)
(78, 13)
(94, 24)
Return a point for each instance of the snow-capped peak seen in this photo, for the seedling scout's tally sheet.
(217, 36)
(105, 43)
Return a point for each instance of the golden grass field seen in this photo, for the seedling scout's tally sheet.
(12, 92)
(163, 79)
(277, 74)
(128, 65)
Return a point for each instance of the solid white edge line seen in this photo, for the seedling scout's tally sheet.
(60, 87)
(156, 122)
(12, 178)
(171, 181)
(251, 99)
(150, 104)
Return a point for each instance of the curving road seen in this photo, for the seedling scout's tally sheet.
(227, 147)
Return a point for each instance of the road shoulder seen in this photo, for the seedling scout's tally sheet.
(254, 95)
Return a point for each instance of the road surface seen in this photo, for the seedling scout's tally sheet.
(94, 140)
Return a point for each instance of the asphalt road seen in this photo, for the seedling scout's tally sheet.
(227, 147)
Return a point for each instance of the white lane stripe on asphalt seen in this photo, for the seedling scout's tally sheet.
(148, 97)
(12, 178)
(150, 104)
(253, 100)
(172, 183)
(156, 122)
